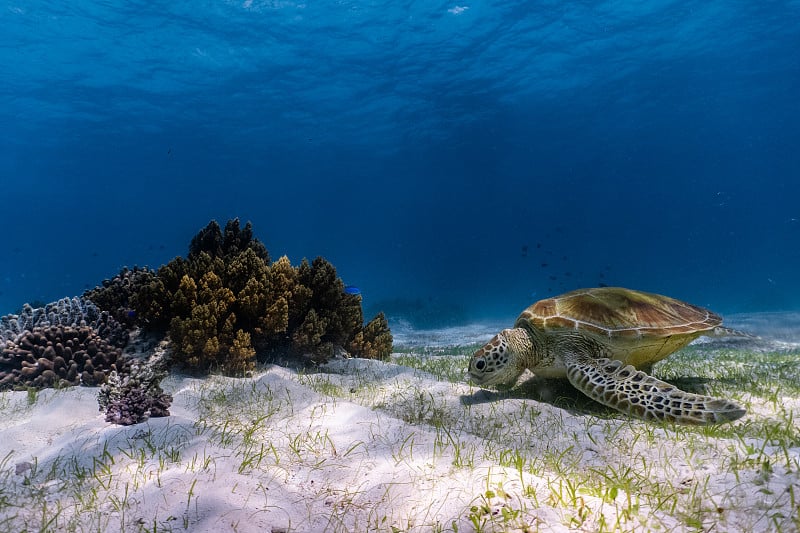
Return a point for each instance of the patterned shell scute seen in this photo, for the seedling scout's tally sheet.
(618, 312)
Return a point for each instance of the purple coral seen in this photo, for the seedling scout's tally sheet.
(58, 356)
(136, 395)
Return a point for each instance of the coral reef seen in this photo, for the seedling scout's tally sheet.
(220, 307)
(235, 240)
(110, 330)
(136, 395)
(64, 312)
(54, 356)
(374, 341)
(121, 294)
(73, 312)
(226, 302)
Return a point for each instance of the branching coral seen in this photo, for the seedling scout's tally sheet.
(226, 302)
(119, 294)
(241, 353)
(212, 241)
(136, 395)
(205, 339)
(374, 341)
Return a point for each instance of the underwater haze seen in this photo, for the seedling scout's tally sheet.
(454, 160)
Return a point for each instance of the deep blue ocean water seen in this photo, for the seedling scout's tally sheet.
(455, 160)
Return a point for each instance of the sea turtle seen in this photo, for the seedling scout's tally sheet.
(604, 340)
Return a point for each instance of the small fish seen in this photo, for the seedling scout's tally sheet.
(130, 313)
(351, 289)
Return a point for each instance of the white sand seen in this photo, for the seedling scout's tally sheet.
(371, 446)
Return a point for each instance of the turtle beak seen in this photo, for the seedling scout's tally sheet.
(473, 377)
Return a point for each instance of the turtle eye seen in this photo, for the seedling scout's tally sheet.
(480, 364)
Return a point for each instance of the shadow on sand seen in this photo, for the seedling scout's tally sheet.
(560, 393)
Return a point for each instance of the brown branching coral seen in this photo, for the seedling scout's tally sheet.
(374, 341)
(120, 294)
(288, 300)
(308, 337)
(204, 338)
(241, 354)
(234, 241)
(226, 302)
(329, 316)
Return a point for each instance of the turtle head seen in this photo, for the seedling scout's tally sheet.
(502, 360)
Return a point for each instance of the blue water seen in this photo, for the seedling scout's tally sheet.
(437, 153)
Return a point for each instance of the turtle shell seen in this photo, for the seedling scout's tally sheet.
(615, 312)
(637, 328)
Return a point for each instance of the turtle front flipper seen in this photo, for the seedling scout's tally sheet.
(634, 392)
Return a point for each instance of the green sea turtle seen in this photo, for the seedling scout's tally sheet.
(604, 341)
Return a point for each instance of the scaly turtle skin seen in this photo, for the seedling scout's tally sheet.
(603, 341)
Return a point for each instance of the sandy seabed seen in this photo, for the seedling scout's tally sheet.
(363, 445)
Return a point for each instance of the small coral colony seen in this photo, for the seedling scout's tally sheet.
(222, 308)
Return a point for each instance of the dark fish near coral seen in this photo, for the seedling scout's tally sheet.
(131, 313)
(351, 289)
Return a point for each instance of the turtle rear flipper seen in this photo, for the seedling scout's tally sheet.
(634, 392)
